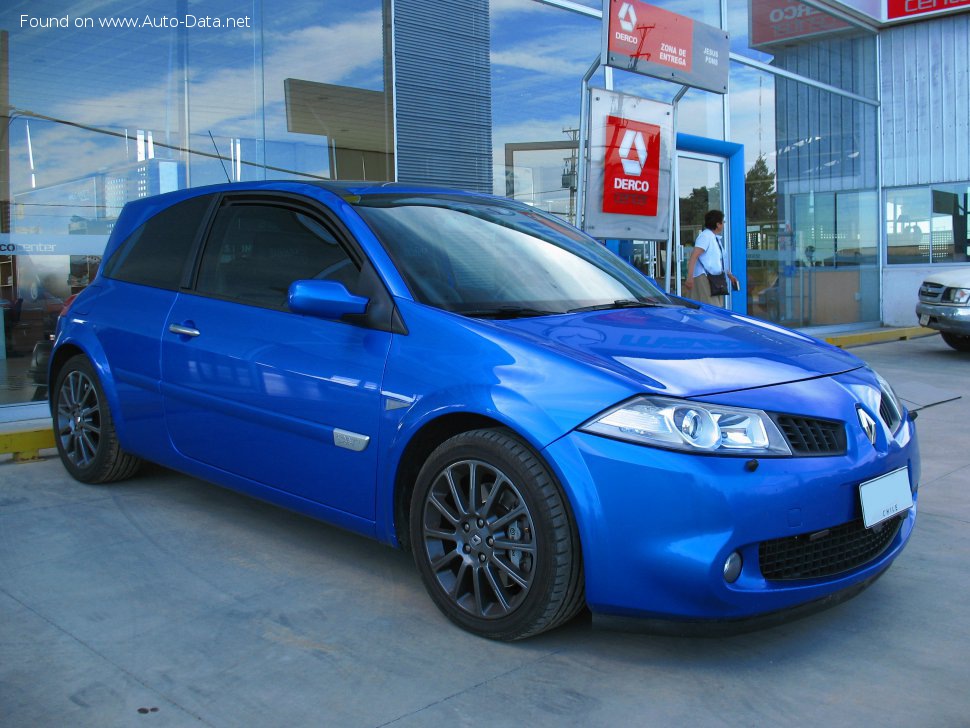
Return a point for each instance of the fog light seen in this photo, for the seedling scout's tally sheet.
(732, 568)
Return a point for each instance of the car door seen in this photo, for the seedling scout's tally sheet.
(139, 285)
(289, 401)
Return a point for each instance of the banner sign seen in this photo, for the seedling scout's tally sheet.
(655, 42)
(898, 9)
(39, 244)
(778, 21)
(628, 177)
(632, 167)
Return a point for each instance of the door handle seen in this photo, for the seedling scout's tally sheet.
(183, 330)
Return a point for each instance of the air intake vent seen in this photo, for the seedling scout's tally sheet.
(825, 553)
(810, 436)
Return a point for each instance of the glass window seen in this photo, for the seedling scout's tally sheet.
(928, 224)
(499, 260)
(255, 251)
(325, 90)
(812, 210)
(535, 100)
(124, 102)
(804, 40)
(155, 253)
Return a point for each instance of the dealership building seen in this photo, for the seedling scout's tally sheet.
(839, 145)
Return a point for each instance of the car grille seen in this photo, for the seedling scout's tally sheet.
(930, 292)
(890, 415)
(825, 553)
(810, 436)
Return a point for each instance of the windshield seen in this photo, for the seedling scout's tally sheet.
(494, 259)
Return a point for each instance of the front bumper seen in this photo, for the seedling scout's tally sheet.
(950, 319)
(657, 526)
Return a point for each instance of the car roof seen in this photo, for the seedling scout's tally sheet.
(138, 211)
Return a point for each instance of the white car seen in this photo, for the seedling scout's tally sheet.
(944, 305)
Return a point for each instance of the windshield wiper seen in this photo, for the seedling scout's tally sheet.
(623, 303)
(507, 312)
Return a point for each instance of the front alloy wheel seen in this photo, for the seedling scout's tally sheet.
(479, 539)
(493, 538)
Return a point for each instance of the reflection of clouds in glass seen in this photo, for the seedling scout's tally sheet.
(753, 115)
(350, 53)
(501, 8)
(141, 87)
(543, 58)
(703, 11)
(529, 130)
(60, 153)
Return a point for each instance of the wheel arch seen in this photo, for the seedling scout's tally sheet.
(426, 439)
(59, 358)
(62, 353)
(416, 452)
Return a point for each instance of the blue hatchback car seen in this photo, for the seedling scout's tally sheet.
(474, 380)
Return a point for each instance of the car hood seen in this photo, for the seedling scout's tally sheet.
(951, 278)
(686, 352)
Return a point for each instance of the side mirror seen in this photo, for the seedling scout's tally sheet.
(324, 299)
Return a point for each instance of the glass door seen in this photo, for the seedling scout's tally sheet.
(701, 186)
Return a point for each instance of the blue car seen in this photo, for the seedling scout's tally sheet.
(476, 381)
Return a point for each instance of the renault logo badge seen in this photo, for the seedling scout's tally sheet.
(868, 425)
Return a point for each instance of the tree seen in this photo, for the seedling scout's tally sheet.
(759, 193)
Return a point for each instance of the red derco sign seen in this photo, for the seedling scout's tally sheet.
(632, 167)
(653, 34)
(909, 8)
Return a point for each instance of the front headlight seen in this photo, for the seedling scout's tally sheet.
(957, 295)
(681, 424)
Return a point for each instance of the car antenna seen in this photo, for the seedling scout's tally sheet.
(219, 154)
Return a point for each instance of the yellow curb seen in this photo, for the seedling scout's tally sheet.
(26, 444)
(878, 336)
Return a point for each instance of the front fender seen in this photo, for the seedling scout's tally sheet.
(449, 365)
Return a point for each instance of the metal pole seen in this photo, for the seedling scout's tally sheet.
(583, 151)
(674, 238)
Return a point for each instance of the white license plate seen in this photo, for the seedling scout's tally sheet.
(924, 319)
(886, 496)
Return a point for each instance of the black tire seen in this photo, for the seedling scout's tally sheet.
(960, 343)
(493, 537)
(83, 428)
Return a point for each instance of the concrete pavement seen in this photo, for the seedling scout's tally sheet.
(165, 601)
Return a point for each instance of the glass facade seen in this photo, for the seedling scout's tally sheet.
(119, 103)
(114, 102)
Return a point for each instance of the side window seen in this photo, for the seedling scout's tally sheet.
(155, 253)
(255, 251)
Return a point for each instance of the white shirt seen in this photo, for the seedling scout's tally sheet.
(710, 261)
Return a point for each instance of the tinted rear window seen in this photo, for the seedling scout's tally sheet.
(155, 253)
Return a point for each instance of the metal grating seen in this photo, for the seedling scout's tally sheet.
(925, 71)
(825, 553)
(890, 415)
(811, 436)
(930, 292)
(443, 93)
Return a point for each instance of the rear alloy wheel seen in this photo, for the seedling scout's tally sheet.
(960, 343)
(493, 538)
(83, 427)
